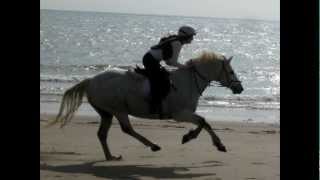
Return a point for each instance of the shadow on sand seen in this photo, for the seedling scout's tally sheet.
(126, 171)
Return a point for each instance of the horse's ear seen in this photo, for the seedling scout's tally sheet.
(229, 59)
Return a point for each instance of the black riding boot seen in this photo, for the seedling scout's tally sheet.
(155, 103)
(155, 106)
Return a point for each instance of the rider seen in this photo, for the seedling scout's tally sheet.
(168, 50)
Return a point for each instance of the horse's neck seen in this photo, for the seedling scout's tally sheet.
(190, 82)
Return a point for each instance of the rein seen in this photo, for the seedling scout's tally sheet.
(196, 72)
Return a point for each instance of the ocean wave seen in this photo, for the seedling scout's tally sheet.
(71, 73)
(271, 102)
(62, 79)
(87, 67)
(254, 106)
(258, 98)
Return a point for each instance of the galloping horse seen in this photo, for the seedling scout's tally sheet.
(123, 93)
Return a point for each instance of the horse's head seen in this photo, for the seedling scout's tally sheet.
(228, 77)
(218, 68)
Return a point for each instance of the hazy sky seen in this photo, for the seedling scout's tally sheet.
(252, 9)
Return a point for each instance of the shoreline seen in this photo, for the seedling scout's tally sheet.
(94, 118)
(210, 114)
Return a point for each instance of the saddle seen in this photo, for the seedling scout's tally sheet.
(163, 80)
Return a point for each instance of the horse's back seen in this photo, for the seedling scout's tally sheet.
(118, 75)
(116, 84)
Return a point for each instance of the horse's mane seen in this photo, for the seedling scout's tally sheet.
(206, 56)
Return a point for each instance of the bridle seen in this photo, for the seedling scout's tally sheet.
(196, 73)
(230, 81)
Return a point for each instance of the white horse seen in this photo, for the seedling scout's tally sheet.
(122, 93)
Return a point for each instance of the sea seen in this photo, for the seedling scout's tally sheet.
(76, 45)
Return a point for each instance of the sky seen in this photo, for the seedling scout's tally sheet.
(245, 9)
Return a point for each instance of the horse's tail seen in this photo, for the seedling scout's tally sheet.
(71, 101)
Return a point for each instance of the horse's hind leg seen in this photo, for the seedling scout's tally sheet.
(105, 124)
(102, 135)
(127, 128)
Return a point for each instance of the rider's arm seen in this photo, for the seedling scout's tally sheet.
(173, 61)
(189, 63)
(176, 64)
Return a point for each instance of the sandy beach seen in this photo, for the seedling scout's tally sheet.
(74, 152)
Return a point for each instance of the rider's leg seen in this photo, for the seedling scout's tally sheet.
(153, 70)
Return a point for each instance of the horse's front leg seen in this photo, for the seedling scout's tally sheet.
(215, 139)
(192, 134)
(201, 123)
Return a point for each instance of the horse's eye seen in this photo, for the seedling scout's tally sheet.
(231, 72)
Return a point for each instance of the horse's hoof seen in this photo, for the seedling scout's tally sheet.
(222, 148)
(186, 138)
(155, 148)
(114, 158)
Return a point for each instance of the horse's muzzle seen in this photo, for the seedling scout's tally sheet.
(236, 88)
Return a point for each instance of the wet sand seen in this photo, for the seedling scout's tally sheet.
(74, 152)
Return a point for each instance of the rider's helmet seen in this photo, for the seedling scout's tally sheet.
(186, 31)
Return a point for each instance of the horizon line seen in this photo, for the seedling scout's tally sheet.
(170, 15)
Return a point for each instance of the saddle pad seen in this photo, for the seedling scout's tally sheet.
(146, 89)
